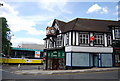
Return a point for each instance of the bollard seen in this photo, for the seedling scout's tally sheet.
(18, 65)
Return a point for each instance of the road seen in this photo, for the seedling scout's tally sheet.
(89, 75)
(7, 73)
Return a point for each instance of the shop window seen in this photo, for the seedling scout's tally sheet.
(49, 63)
(99, 39)
(61, 64)
(84, 38)
(117, 56)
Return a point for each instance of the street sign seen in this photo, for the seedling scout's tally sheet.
(92, 38)
(37, 54)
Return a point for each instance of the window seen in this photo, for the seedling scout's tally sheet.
(51, 44)
(117, 33)
(84, 38)
(99, 39)
(45, 43)
(59, 41)
(117, 58)
(109, 41)
(67, 39)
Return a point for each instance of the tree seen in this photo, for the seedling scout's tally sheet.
(6, 44)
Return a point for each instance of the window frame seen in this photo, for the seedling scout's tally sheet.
(118, 33)
(51, 44)
(109, 40)
(100, 39)
(59, 41)
(67, 39)
(84, 38)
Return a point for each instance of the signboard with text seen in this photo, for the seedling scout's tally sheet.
(37, 54)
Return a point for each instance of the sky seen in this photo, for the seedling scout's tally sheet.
(28, 19)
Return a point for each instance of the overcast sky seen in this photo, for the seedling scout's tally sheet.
(29, 19)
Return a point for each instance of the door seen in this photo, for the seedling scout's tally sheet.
(95, 60)
(55, 64)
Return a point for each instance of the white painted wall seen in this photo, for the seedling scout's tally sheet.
(64, 39)
(69, 38)
(89, 49)
(77, 38)
(105, 39)
(73, 39)
(113, 33)
(91, 43)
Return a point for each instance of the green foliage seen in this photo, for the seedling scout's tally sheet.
(6, 44)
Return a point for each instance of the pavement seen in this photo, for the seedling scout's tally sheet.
(48, 72)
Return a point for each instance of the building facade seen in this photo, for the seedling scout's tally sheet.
(79, 43)
(31, 46)
(115, 30)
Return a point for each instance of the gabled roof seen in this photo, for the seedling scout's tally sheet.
(61, 24)
(81, 24)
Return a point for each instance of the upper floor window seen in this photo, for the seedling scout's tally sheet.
(67, 39)
(45, 43)
(59, 41)
(117, 33)
(51, 44)
(109, 40)
(83, 38)
(99, 39)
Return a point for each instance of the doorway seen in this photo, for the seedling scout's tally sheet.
(55, 64)
(58, 64)
(95, 60)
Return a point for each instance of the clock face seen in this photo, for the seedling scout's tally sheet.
(52, 31)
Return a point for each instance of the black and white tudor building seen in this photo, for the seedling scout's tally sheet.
(80, 43)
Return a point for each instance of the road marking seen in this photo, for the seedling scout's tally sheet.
(5, 71)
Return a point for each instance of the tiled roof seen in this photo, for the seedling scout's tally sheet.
(81, 24)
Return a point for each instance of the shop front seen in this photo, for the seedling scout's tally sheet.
(56, 60)
(117, 57)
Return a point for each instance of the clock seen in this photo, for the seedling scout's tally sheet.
(52, 31)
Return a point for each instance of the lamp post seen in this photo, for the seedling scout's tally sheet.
(1, 36)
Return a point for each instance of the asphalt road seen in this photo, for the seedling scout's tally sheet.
(88, 75)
